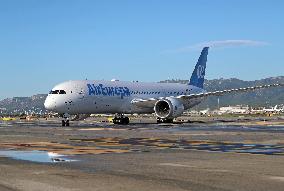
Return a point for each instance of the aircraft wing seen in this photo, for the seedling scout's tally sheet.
(222, 92)
(148, 103)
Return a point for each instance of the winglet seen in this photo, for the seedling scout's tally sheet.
(197, 77)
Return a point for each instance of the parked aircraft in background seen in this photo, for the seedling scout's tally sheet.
(275, 109)
(166, 100)
(204, 112)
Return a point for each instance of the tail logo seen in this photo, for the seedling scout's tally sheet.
(200, 72)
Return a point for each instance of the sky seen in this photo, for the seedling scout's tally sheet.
(45, 42)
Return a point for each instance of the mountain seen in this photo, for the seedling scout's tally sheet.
(19, 105)
(265, 97)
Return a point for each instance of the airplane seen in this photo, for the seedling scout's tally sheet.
(166, 100)
(273, 110)
(204, 112)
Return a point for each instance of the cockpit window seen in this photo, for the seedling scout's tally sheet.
(62, 92)
(57, 92)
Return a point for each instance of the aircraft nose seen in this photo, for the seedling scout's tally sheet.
(48, 104)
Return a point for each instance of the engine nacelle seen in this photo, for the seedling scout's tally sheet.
(169, 108)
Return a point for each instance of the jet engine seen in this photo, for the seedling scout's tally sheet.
(169, 108)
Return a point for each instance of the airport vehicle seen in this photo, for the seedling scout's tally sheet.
(166, 100)
(8, 119)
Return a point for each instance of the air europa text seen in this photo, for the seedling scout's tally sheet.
(108, 91)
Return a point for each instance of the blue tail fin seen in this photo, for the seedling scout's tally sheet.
(197, 77)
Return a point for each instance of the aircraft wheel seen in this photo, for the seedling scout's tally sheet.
(114, 120)
(125, 120)
(63, 123)
(120, 120)
(169, 121)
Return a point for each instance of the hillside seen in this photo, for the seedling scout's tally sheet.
(19, 105)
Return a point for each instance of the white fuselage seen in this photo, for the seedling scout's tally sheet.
(90, 97)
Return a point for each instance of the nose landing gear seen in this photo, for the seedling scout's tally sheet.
(65, 120)
(120, 119)
(65, 123)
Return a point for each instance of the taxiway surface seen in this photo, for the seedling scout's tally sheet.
(143, 156)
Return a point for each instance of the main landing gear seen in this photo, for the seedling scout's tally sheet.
(65, 120)
(120, 119)
(164, 120)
